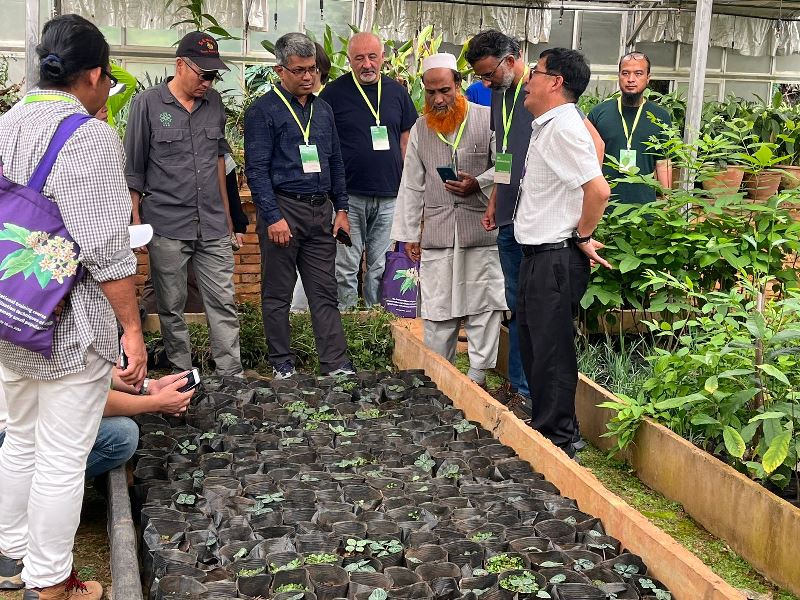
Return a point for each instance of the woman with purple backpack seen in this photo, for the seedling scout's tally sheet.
(71, 273)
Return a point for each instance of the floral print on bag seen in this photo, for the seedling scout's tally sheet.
(45, 257)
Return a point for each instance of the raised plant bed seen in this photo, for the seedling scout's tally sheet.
(760, 526)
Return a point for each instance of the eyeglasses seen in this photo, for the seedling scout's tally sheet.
(300, 71)
(537, 71)
(204, 75)
(488, 76)
(111, 78)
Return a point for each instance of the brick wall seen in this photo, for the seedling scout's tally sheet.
(247, 261)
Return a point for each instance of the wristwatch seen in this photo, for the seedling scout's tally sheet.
(344, 210)
(145, 387)
(578, 238)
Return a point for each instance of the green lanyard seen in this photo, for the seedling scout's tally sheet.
(629, 136)
(376, 112)
(457, 141)
(30, 98)
(507, 119)
(305, 131)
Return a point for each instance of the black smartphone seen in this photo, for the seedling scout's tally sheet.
(447, 174)
(123, 358)
(193, 380)
(343, 237)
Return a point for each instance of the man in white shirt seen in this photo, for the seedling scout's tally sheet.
(562, 198)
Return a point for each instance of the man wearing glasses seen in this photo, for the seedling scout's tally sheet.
(175, 145)
(295, 171)
(562, 198)
(625, 126)
(497, 62)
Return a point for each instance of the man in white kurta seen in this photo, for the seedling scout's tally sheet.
(440, 221)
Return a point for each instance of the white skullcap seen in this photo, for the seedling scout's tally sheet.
(441, 60)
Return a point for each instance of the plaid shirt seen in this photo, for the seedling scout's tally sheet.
(88, 185)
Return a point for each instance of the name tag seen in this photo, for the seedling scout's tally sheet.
(502, 168)
(380, 137)
(627, 161)
(310, 158)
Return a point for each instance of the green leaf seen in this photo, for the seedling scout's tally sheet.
(711, 385)
(703, 419)
(773, 371)
(777, 451)
(734, 443)
(768, 415)
(629, 263)
(14, 233)
(679, 402)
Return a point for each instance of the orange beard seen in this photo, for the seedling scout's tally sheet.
(446, 121)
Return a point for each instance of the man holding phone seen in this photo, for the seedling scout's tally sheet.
(296, 174)
(447, 178)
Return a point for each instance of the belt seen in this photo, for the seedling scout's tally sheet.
(312, 199)
(528, 250)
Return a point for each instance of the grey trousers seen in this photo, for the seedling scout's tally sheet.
(483, 338)
(312, 252)
(212, 261)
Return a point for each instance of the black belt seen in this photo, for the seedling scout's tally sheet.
(312, 199)
(528, 250)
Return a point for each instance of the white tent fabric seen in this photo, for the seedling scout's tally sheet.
(401, 20)
(150, 14)
(752, 37)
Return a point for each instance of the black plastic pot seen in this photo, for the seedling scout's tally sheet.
(556, 531)
(178, 586)
(429, 553)
(577, 591)
(433, 570)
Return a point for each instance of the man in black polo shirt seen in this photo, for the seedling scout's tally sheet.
(295, 172)
(175, 169)
(624, 124)
(374, 115)
(497, 61)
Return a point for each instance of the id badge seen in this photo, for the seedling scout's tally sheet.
(380, 137)
(310, 158)
(627, 161)
(502, 168)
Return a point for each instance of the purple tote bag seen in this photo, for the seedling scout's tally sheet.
(400, 284)
(38, 257)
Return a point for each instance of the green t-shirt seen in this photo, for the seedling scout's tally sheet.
(605, 117)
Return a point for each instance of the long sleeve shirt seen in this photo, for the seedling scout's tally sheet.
(272, 140)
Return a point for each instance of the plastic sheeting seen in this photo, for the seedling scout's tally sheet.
(150, 14)
(401, 20)
(751, 37)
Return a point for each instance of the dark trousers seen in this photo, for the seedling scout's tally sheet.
(312, 251)
(551, 285)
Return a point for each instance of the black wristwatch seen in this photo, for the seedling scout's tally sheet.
(578, 238)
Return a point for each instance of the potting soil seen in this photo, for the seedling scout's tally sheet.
(367, 488)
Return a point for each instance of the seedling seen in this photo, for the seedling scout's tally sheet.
(479, 572)
(523, 583)
(550, 564)
(560, 578)
(241, 553)
(451, 472)
(582, 564)
(289, 441)
(290, 587)
(378, 594)
(360, 566)
(648, 584)
(292, 564)
(385, 548)
(395, 388)
(425, 462)
(311, 426)
(503, 562)
(626, 571)
(186, 499)
(321, 559)
(352, 462)
(208, 435)
(250, 572)
(481, 536)
(354, 546)
(414, 515)
(228, 419)
(463, 426)
(370, 413)
(270, 498)
(306, 477)
(391, 486)
(186, 446)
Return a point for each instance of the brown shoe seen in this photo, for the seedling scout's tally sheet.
(71, 589)
(518, 404)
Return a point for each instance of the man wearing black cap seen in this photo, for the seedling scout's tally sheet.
(175, 145)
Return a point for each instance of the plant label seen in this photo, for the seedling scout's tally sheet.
(502, 168)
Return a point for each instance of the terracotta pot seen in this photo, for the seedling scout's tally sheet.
(725, 182)
(790, 179)
(763, 186)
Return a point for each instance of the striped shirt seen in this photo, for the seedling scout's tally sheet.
(88, 185)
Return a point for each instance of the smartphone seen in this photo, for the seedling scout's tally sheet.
(343, 237)
(123, 358)
(193, 380)
(447, 174)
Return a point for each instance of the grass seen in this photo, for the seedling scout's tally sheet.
(671, 518)
(91, 554)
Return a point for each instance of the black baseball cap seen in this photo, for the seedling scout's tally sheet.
(202, 50)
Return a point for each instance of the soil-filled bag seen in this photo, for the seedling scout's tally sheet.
(433, 570)
(577, 591)
(254, 586)
(556, 575)
(366, 582)
(177, 586)
(520, 583)
(426, 554)
(626, 565)
(329, 581)
(620, 591)
(556, 531)
(416, 591)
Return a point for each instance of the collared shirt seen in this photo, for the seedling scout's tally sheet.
(370, 172)
(88, 185)
(561, 158)
(172, 161)
(272, 141)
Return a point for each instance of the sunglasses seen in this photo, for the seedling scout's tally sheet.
(204, 75)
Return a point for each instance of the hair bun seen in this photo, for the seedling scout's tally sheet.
(51, 66)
